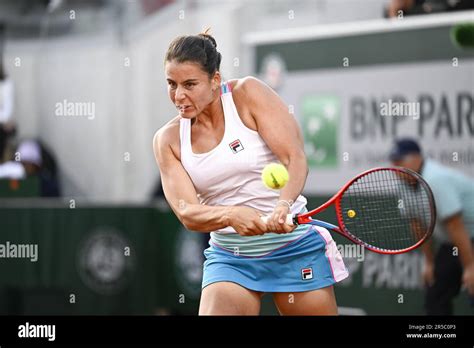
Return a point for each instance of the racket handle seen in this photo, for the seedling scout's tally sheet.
(289, 219)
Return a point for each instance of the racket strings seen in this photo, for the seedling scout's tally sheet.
(387, 209)
(389, 221)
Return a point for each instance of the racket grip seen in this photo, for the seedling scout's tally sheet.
(288, 221)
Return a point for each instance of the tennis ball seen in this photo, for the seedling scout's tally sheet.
(275, 176)
(351, 213)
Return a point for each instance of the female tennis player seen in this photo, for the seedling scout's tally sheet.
(211, 156)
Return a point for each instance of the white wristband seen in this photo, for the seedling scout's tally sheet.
(288, 203)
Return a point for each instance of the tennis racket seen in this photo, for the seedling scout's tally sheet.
(386, 210)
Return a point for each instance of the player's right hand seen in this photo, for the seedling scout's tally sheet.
(468, 278)
(428, 273)
(247, 222)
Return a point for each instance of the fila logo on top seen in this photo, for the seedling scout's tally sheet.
(307, 273)
(236, 146)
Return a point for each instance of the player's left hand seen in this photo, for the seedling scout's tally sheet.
(468, 278)
(276, 223)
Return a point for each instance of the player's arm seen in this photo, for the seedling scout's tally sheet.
(428, 266)
(459, 236)
(182, 197)
(280, 131)
(449, 211)
(427, 248)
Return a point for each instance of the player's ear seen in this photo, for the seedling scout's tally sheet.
(216, 80)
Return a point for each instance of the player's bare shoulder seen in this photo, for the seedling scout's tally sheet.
(243, 90)
(167, 138)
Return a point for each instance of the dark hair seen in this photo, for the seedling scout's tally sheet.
(199, 48)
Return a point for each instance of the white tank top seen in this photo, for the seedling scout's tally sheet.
(230, 174)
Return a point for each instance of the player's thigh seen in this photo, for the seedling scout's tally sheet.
(227, 298)
(314, 302)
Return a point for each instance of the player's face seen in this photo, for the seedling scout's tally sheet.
(412, 162)
(189, 87)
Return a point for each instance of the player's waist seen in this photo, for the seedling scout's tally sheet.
(255, 246)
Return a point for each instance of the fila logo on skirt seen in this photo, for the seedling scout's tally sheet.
(307, 273)
(236, 146)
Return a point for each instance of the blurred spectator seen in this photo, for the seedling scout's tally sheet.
(29, 153)
(416, 7)
(7, 127)
(12, 170)
(33, 159)
(447, 267)
(405, 7)
(48, 173)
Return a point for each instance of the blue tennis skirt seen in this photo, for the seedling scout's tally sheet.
(308, 263)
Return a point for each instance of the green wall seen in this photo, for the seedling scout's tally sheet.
(149, 246)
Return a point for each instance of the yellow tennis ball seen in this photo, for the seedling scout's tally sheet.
(275, 176)
(351, 213)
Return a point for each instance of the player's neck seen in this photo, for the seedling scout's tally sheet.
(420, 168)
(212, 115)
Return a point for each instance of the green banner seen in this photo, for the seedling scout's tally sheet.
(141, 260)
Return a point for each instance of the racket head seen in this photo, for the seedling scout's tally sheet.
(387, 210)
